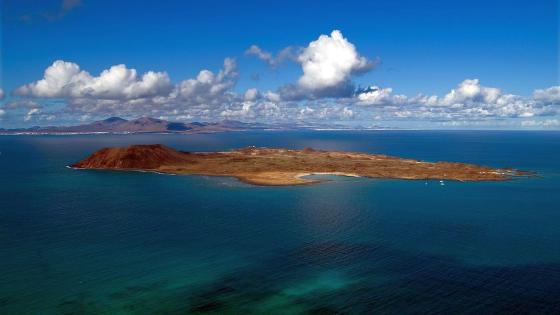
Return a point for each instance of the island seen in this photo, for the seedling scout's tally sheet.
(283, 167)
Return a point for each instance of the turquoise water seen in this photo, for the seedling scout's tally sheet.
(102, 242)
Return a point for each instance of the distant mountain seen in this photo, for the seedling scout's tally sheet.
(154, 125)
(140, 125)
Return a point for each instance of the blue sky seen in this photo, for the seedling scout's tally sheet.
(412, 47)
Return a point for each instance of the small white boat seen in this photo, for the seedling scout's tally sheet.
(441, 183)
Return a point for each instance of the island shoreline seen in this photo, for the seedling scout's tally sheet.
(285, 167)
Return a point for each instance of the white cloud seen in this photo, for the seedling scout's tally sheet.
(210, 95)
(470, 90)
(546, 123)
(375, 95)
(2, 94)
(273, 97)
(2, 113)
(306, 111)
(32, 112)
(208, 88)
(329, 61)
(469, 101)
(244, 112)
(259, 53)
(552, 94)
(119, 91)
(66, 80)
(322, 111)
(251, 94)
(256, 110)
(347, 113)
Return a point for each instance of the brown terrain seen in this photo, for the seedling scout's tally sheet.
(264, 166)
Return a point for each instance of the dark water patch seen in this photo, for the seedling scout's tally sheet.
(451, 230)
(136, 290)
(211, 300)
(332, 253)
(324, 311)
(383, 280)
(7, 300)
(208, 307)
(78, 305)
(218, 292)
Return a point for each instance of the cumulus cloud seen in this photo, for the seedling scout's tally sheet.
(550, 95)
(121, 91)
(329, 61)
(272, 96)
(201, 97)
(324, 92)
(380, 96)
(2, 94)
(469, 100)
(208, 87)
(467, 92)
(328, 64)
(2, 113)
(66, 80)
(251, 94)
(470, 90)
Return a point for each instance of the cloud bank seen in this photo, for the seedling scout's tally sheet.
(66, 80)
(324, 91)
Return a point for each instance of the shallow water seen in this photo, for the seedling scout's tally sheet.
(94, 242)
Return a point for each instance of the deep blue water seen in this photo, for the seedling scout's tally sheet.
(102, 242)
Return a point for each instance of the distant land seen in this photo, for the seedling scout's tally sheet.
(282, 167)
(154, 125)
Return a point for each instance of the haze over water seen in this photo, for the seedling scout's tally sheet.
(93, 242)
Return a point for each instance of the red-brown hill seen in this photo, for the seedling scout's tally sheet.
(141, 157)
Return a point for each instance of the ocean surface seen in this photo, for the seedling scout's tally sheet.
(109, 242)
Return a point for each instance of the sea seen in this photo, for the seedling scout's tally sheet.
(115, 242)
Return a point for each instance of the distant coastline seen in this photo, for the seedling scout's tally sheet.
(117, 125)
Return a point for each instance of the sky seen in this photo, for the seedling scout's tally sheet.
(406, 64)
